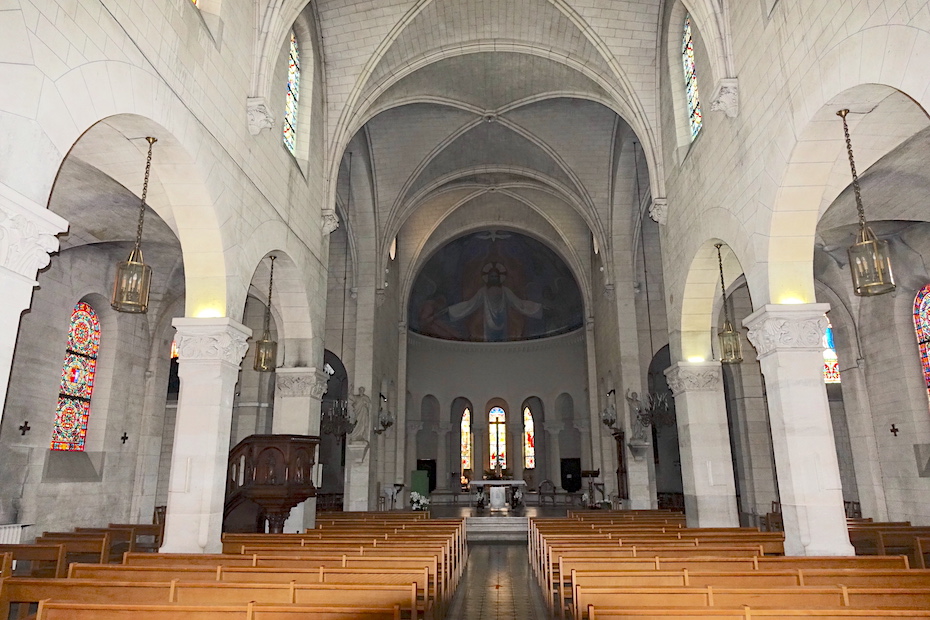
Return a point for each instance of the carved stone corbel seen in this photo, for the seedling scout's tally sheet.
(726, 97)
(259, 116)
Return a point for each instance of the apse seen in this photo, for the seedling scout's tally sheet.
(495, 286)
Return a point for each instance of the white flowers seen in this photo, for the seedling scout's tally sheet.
(419, 502)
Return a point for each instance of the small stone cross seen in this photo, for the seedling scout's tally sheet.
(25, 428)
(124, 438)
(895, 430)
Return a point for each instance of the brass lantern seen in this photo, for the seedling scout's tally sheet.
(869, 257)
(133, 277)
(731, 349)
(266, 349)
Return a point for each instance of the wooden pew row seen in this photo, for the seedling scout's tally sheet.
(556, 591)
(551, 567)
(197, 567)
(881, 540)
(44, 560)
(88, 592)
(50, 610)
(81, 547)
(772, 543)
(6, 565)
(923, 552)
(749, 613)
(147, 536)
(779, 598)
(862, 578)
(428, 591)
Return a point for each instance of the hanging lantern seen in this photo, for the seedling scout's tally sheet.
(731, 348)
(266, 349)
(869, 257)
(133, 277)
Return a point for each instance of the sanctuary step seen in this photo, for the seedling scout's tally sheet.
(497, 529)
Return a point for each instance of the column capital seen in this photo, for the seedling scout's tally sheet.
(211, 339)
(694, 377)
(27, 233)
(300, 382)
(798, 327)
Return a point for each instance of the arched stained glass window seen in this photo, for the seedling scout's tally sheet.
(497, 434)
(77, 380)
(292, 97)
(529, 440)
(466, 443)
(922, 328)
(691, 87)
(831, 365)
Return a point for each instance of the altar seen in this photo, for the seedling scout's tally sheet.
(498, 493)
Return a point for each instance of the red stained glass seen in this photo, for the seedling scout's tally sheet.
(77, 380)
(922, 330)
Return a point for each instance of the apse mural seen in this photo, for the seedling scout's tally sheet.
(495, 286)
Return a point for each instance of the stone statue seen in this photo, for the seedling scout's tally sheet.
(361, 410)
(637, 417)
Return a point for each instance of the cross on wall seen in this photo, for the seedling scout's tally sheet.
(894, 430)
(24, 428)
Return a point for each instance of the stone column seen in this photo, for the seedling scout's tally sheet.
(297, 405)
(211, 350)
(442, 457)
(27, 237)
(789, 345)
(704, 443)
(358, 461)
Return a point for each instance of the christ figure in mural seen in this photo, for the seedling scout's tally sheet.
(495, 301)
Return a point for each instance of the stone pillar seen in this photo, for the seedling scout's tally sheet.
(789, 345)
(442, 457)
(358, 461)
(704, 444)
(211, 350)
(27, 237)
(297, 406)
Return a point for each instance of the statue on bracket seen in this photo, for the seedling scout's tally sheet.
(361, 414)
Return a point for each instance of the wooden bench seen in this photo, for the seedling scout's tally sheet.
(53, 610)
(6, 565)
(26, 590)
(81, 547)
(44, 560)
(749, 613)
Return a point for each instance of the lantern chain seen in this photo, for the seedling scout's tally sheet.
(723, 288)
(145, 192)
(852, 166)
(270, 282)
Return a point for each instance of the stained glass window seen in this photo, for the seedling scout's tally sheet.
(497, 434)
(831, 365)
(466, 443)
(77, 380)
(529, 440)
(922, 328)
(292, 96)
(691, 86)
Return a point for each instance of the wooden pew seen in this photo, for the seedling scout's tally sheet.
(781, 598)
(147, 536)
(749, 613)
(923, 552)
(26, 590)
(81, 547)
(53, 610)
(6, 565)
(44, 560)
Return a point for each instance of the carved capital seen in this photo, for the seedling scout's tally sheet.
(694, 377)
(775, 327)
(379, 296)
(726, 97)
(658, 211)
(300, 382)
(260, 117)
(609, 292)
(202, 340)
(26, 237)
(329, 221)
(319, 384)
(402, 327)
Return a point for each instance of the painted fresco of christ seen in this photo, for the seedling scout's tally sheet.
(495, 301)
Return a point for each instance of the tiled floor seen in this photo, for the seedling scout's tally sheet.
(498, 584)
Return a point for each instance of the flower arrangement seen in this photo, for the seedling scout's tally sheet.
(419, 502)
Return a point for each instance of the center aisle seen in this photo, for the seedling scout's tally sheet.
(497, 584)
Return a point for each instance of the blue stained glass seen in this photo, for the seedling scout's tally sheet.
(695, 117)
(292, 96)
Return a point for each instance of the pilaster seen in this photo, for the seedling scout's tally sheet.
(27, 238)
(211, 351)
(789, 343)
(704, 442)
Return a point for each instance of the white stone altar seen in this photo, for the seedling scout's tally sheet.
(498, 492)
